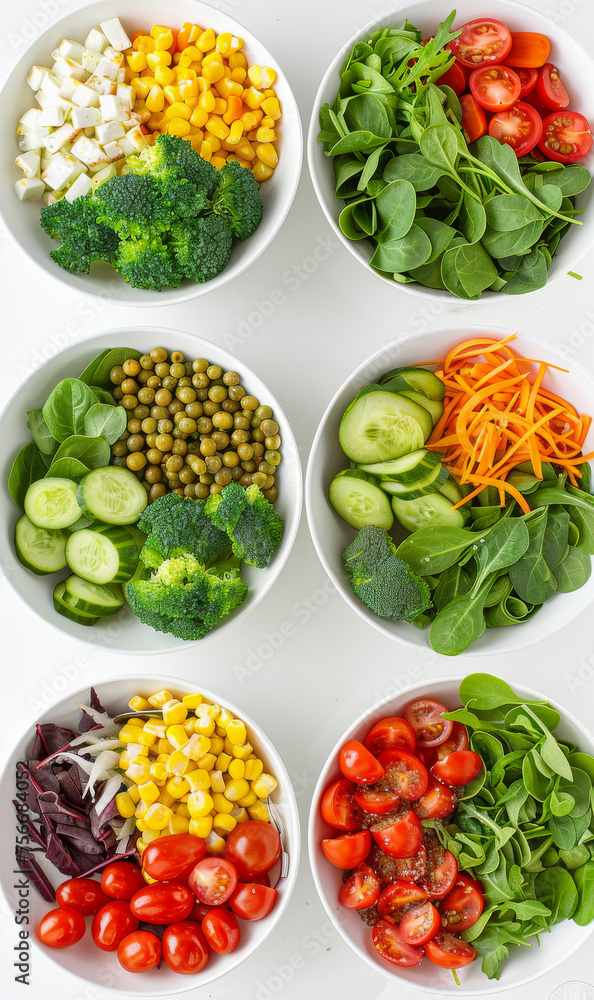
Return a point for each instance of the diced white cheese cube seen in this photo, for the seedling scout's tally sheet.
(68, 88)
(126, 96)
(42, 100)
(71, 50)
(85, 97)
(51, 197)
(101, 84)
(108, 67)
(81, 186)
(30, 119)
(29, 163)
(111, 53)
(85, 117)
(96, 40)
(105, 174)
(89, 152)
(63, 68)
(52, 115)
(55, 141)
(36, 75)
(29, 188)
(90, 60)
(58, 173)
(115, 34)
(77, 167)
(136, 137)
(121, 75)
(113, 150)
(111, 108)
(33, 139)
(126, 146)
(50, 85)
(109, 131)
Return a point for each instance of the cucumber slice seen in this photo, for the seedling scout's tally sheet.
(51, 503)
(451, 490)
(406, 469)
(420, 379)
(102, 555)
(91, 599)
(380, 425)
(357, 498)
(112, 495)
(429, 511)
(63, 609)
(434, 406)
(422, 487)
(38, 549)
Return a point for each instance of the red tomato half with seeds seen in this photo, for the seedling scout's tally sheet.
(358, 764)
(527, 77)
(184, 948)
(519, 127)
(449, 952)
(61, 928)
(377, 800)
(550, 89)
(221, 930)
(458, 768)
(82, 894)
(566, 137)
(495, 88)
(398, 895)
(253, 901)
(474, 121)
(390, 944)
(213, 881)
(402, 838)
(483, 42)
(121, 880)
(338, 807)
(420, 924)
(437, 802)
(139, 952)
(389, 733)
(361, 890)
(405, 773)
(462, 906)
(348, 850)
(454, 77)
(162, 903)
(457, 740)
(168, 857)
(443, 877)
(112, 923)
(425, 716)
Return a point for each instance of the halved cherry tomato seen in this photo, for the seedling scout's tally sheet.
(221, 930)
(449, 952)
(454, 77)
(377, 799)
(358, 764)
(437, 802)
(402, 838)
(550, 89)
(425, 716)
(420, 924)
(398, 895)
(390, 944)
(162, 903)
(405, 773)
(528, 77)
(389, 733)
(168, 857)
(121, 880)
(457, 740)
(139, 952)
(458, 768)
(519, 127)
(462, 906)
(213, 880)
(348, 850)
(112, 923)
(474, 120)
(483, 42)
(184, 947)
(566, 137)
(529, 49)
(495, 88)
(338, 807)
(438, 883)
(253, 848)
(428, 755)
(361, 890)
(62, 927)
(253, 901)
(82, 894)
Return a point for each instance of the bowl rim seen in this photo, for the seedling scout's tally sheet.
(419, 688)
(186, 983)
(313, 150)
(311, 486)
(289, 536)
(193, 290)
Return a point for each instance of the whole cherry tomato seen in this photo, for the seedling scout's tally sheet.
(162, 903)
(83, 894)
(221, 930)
(139, 952)
(61, 928)
(168, 857)
(184, 948)
(112, 923)
(121, 880)
(252, 847)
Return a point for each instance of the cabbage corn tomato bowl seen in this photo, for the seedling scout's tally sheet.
(84, 960)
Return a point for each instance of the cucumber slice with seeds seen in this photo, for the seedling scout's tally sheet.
(112, 495)
(451, 490)
(91, 598)
(358, 499)
(379, 425)
(64, 609)
(38, 549)
(427, 511)
(422, 487)
(107, 554)
(420, 379)
(52, 504)
(406, 469)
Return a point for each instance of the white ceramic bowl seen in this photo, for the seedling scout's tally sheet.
(577, 69)
(22, 220)
(124, 633)
(331, 534)
(523, 964)
(84, 960)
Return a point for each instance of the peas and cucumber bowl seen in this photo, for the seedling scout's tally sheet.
(152, 493)
(448, 490)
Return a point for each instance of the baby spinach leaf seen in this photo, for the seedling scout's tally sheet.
(510, 211)
(556, 536)
(108, 422)
(571, 179)
(408, 252)
(460, 623)
(346, 170)
(94, 452)
(575, 858)
(27, 468)
(102, 395)
(356, 142)
(485, 692)
(347, 220)
(472, 219)
(452, 582)
(530, 275)
(501, 547)
(396, 205)
(431, 550)
(366, 113)
(573, 572)
(556, 889)
(87, 376)
(499, 591)
(439, 145)
(584, 882)
(64, 409)
(100, 368)
(584, 762)
(531, 576)
(68, 468)
(413, 167)
(440, 235)
(513, 241)
(40, 432)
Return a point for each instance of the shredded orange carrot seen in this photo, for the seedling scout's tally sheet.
(497, 415)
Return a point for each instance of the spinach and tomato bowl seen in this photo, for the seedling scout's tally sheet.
(469, 565)
(495, 890)
(415, 166)
(103, 449)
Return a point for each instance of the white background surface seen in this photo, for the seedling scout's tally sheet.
(328, 665)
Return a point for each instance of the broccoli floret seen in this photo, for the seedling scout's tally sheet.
(250, 521)
(132, 206)
(383, 581)
(202, 246)
(148, 263)
(84, 239)
(175, 525)
(172, 159)
(238, 197)
(186, 598)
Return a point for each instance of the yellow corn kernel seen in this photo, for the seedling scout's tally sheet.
(136, 62)
(157, 29)
(223, 761)
(196, 746)
(244, 150)
(177, 110)
(214, 844)
(178, 824)
(178, 763)
(141, 825)
(188, 725)
(206, 41)
(220, 107)
(237, 61)
(268, 78)
(189, 90)
(172, 93)
(249, 120)
(149, 792)
(191, 701)
(216, 744)
(211, 710)
(177, 787)
(267, 122)
(155, 726)
(124, 805)
(239, 76)
(228, 44)
(166, 799)
(141, 809)
(224, 718)
(182, 810)
(125, 758)
(164, 76)
(242, 751)
(184, 61)
(205, 726)
(236, 789)
(195, 140)
(141, 846)
(138, 770)
(164, 39)
(236, 731)
(209, 760)
(179, 127)
(237, 159)
(158, 699)
(217, 781)
(146, 739)
(254, 75)
(228, 88)
(158, 771)
(199, 117)
(134, 793)
(264, 785)
(136, 722)
(259, 811)
(128, 734)
(219, 160)
(165, 747)
(252, 97)
(269, 93)
(266, 152)
(248, 800)
(136, 750)
(177, 736)
(271, 108)
(239, 813)
(158, 58)
(198, 780)
(145, 44)
(158, 816)
(138, 704)
(223, 823)
(193, 54)
(201, 826)
(206, 102)
(163, 757)
(149, 835)
(200, 803)
(212, 68)
(265, 135)
(236, 768)
(253, 768)
(221, 804)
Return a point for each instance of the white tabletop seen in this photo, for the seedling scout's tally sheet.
(327, 665)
